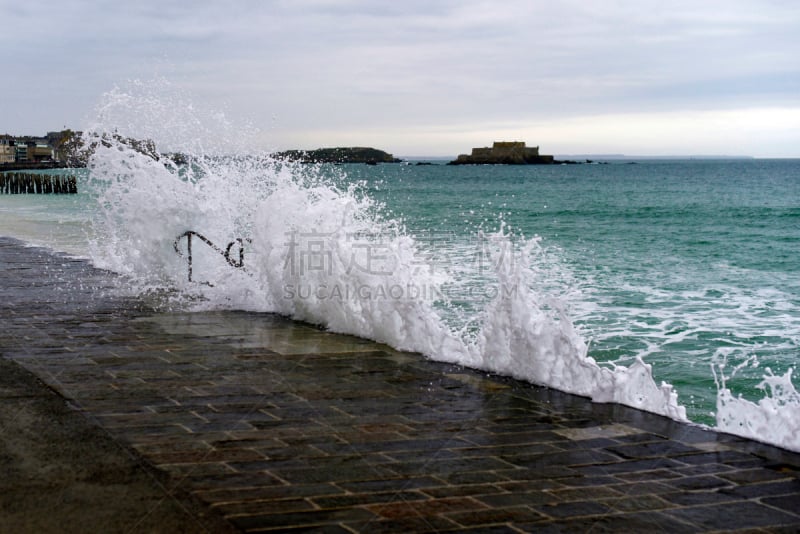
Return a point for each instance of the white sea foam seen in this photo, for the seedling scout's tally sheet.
(775, 418)
(318, 249)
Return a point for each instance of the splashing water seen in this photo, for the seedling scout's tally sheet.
(319, 249)
(775, 415)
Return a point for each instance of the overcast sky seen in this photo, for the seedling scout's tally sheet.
(432, 77)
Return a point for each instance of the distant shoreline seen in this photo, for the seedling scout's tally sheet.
(631, 157)
(606, 157)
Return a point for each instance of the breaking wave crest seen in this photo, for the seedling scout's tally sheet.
(236, 229)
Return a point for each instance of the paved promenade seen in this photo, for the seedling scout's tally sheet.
(251, 422)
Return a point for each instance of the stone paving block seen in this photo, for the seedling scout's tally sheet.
(613, 524)
(274, 492)
(390, 484)
(198, 469)
(410, 456)
(734, 516)
(206, 456)
(617, 431)
(260, 443)
(473, 477)
(334, 474)
(429, 507)
(191, 480)
(263, 507)
(494, 516)
(569, 458)
(789, 503)
(642, 488)
(750, 476)
(515, 437)
(341, 501)
(783, 487)
(726, 457)
(694, 498)
(658, 449)
(596, 443)
(186, 447)
(617, 468)
(639, 504)
(506, 500)
(147, 419)
(648, 474)
(527, 449)
(600, 493)
(704, 469)
(698, 483)
(255, 523)
(549, 472)
(587, 482)
(462, 490)
(154, 432)
(405, 524)
(396, 445)
(574, 509)
(178, 439)
(792, 470)
(439, 466)
(529, 486)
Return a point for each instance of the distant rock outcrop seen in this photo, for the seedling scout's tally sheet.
(356, 154)
(504, 153)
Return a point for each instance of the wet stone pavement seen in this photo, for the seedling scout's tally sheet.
(277, 425)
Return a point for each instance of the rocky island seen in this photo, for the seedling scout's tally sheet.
(370, 156)
(504, 153)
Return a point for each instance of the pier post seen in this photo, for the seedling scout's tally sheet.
(13, 183)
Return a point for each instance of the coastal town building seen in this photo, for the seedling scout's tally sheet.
(25, 150)
(66, 148)
(21, 152)
(38, 151)
(8, 151)
(30, 150)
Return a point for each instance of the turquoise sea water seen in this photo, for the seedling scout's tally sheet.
(669, 260)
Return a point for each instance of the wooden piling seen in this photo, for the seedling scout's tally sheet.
(14, 183)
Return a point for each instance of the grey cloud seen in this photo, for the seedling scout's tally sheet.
(365, 64)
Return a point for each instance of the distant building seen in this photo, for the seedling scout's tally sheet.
(32, 151)
(8, 153)
(65, 148)
(21, 152)
(29, 149)
(504, 152)
(39, 151)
